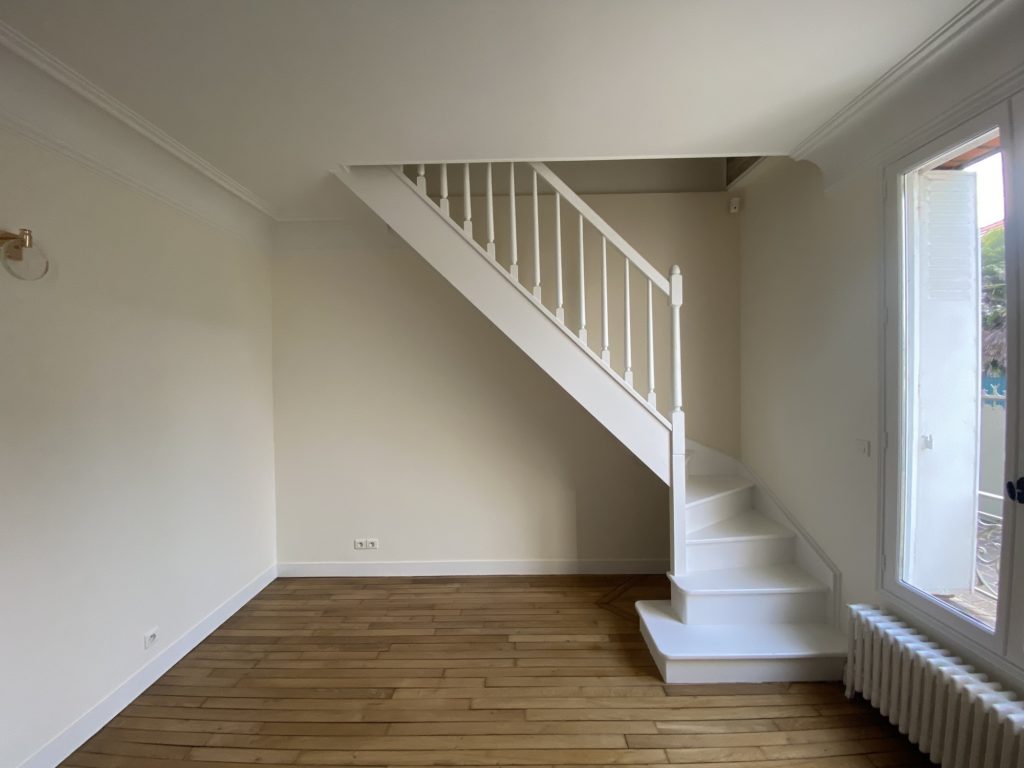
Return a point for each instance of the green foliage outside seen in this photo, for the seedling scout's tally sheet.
(993, 301)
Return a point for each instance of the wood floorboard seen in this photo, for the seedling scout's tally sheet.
(470, 671)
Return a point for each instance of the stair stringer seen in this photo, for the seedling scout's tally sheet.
(809, 554)
(517, 313)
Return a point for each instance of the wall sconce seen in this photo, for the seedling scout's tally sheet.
(20, 258)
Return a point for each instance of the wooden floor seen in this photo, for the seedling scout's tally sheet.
(538, 671)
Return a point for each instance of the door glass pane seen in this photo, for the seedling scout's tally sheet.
(953, 421)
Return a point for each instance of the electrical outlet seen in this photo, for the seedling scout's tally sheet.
(149, 638)
(358, 543)
(373, 543)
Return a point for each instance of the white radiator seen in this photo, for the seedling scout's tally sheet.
(954, 714)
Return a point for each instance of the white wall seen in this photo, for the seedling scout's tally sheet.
(136, 442)
(401, 413)
(811, 274)
(810, 324)
(811, 340)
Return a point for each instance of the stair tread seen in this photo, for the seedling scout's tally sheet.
(786, 577)
(749, 525)
(700, 488)
(679, 641)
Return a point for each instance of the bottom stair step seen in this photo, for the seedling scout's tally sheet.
(769, 594)
(744, 653)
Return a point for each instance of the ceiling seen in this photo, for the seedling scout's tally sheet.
(274, 93)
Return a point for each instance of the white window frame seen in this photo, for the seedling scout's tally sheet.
(904, 596)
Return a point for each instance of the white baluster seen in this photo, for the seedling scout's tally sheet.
(514, 267)
(629, 331)
(677, 353)
(560, 309)
(444, 188)
(651, 397)
(606, 355)
(421, 178)
(490, 212)
(536, 241)
(583, 290)
(467, 207)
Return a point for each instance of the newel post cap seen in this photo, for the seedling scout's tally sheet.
(676, 281)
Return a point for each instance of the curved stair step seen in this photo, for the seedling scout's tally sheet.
(710, 499)
(746, 540)
(742, 527)
(768, 594)
(768, 579)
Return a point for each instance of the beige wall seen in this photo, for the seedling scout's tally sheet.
(810, 309)
(401, 413)
(136, 444)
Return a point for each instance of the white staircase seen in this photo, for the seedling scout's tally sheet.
(753, 599)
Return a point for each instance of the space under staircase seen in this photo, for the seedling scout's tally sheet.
(753, 598)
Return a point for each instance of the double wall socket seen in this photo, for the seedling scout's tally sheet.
(366, 543)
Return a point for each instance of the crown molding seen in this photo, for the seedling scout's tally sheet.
(31, 133)
(950, 32)
(998, 90)
(20, 45)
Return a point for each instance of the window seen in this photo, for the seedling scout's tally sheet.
(951, 382)
(954, 378)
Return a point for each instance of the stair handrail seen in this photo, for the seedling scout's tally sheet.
(671, 287)
(602, 226)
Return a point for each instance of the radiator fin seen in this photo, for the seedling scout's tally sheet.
(952, 712)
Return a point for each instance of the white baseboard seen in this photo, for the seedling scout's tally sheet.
(86, 726)
(76, 734)
(472, 568)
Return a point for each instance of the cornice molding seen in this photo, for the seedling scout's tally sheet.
(20, 45)
(998, 90)
(949, 33)
(43, 139)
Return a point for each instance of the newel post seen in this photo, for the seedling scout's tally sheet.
(678, 439)
(676, 299)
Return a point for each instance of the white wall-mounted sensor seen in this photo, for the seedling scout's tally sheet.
(734, 205)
